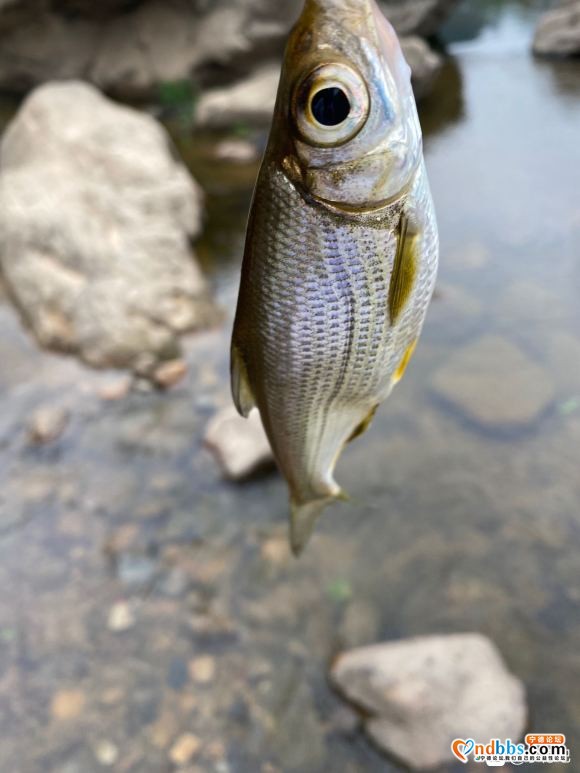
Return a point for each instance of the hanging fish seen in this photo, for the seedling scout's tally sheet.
(341, 249)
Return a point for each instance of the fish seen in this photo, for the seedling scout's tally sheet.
(341, 249)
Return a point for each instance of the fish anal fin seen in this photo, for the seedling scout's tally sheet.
(402, 367)
(364, 425)
(241, 390)
(404, 271)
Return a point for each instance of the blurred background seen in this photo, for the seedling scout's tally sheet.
(151, 617)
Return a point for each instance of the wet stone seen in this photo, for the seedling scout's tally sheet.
(67, 704)
(47, 424)
(121, 617)
(495, 384)
(106, 754)
(202, 669)
(419, 694)
(184, 749)
(170, 373)
(239, 444)
(136, 572)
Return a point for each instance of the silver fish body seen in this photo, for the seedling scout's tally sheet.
(332, 300)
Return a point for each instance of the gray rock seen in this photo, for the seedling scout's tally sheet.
(131, 48)
(240, 445)
(422, 693)
(95, 222)
(424, 62)
(558, 31)
(250, 101)
(495, 384)
(417, 17)
(47, 424)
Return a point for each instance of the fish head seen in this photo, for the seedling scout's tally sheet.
(345, 127)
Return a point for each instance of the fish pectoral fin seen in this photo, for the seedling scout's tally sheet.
(364, 425)
(404, 271)
(241, 390)
(303, 517)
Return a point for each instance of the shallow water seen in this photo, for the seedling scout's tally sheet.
(457, 522)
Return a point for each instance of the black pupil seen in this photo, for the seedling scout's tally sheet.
(330, 106)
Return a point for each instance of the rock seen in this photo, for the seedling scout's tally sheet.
(135, 571)
(424, 692)
(133, 49)
(170, 373)
(202, 669)
(558, 31)
(115, 389)
(67, 704)
(106, 754)
(239, 444)
(249, 101)
(47, 424)
(184, 749)
(95, 222)
(495, 384)
(424, 62)
(121, 617)
(236, 152)
(417, 17)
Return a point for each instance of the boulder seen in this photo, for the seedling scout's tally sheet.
(131, 48)
(96, 218)
(420, 694)
(558, 31)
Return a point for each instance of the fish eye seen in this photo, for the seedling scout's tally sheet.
(330, 105)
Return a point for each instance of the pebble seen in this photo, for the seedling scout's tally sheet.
(495, 384)
(115, 389)
(202, 669)
(169, 373)
(135, 571)
(47, 424)
(419, 694)
(184, 749)
(67, 704)
(121, 617)
(240, 445)
(106, 754)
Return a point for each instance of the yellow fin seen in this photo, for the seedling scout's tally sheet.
(241, 390)
(400, 372)
(364, 425)
(404, 270)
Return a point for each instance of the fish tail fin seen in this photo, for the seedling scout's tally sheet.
(304, 515)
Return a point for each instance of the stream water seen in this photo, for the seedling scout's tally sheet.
(144, 598)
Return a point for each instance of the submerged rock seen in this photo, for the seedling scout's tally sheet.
(422, 693)
(95, 222)
(495, 384)
(558, 31)
(47, 424)
(240, 445)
